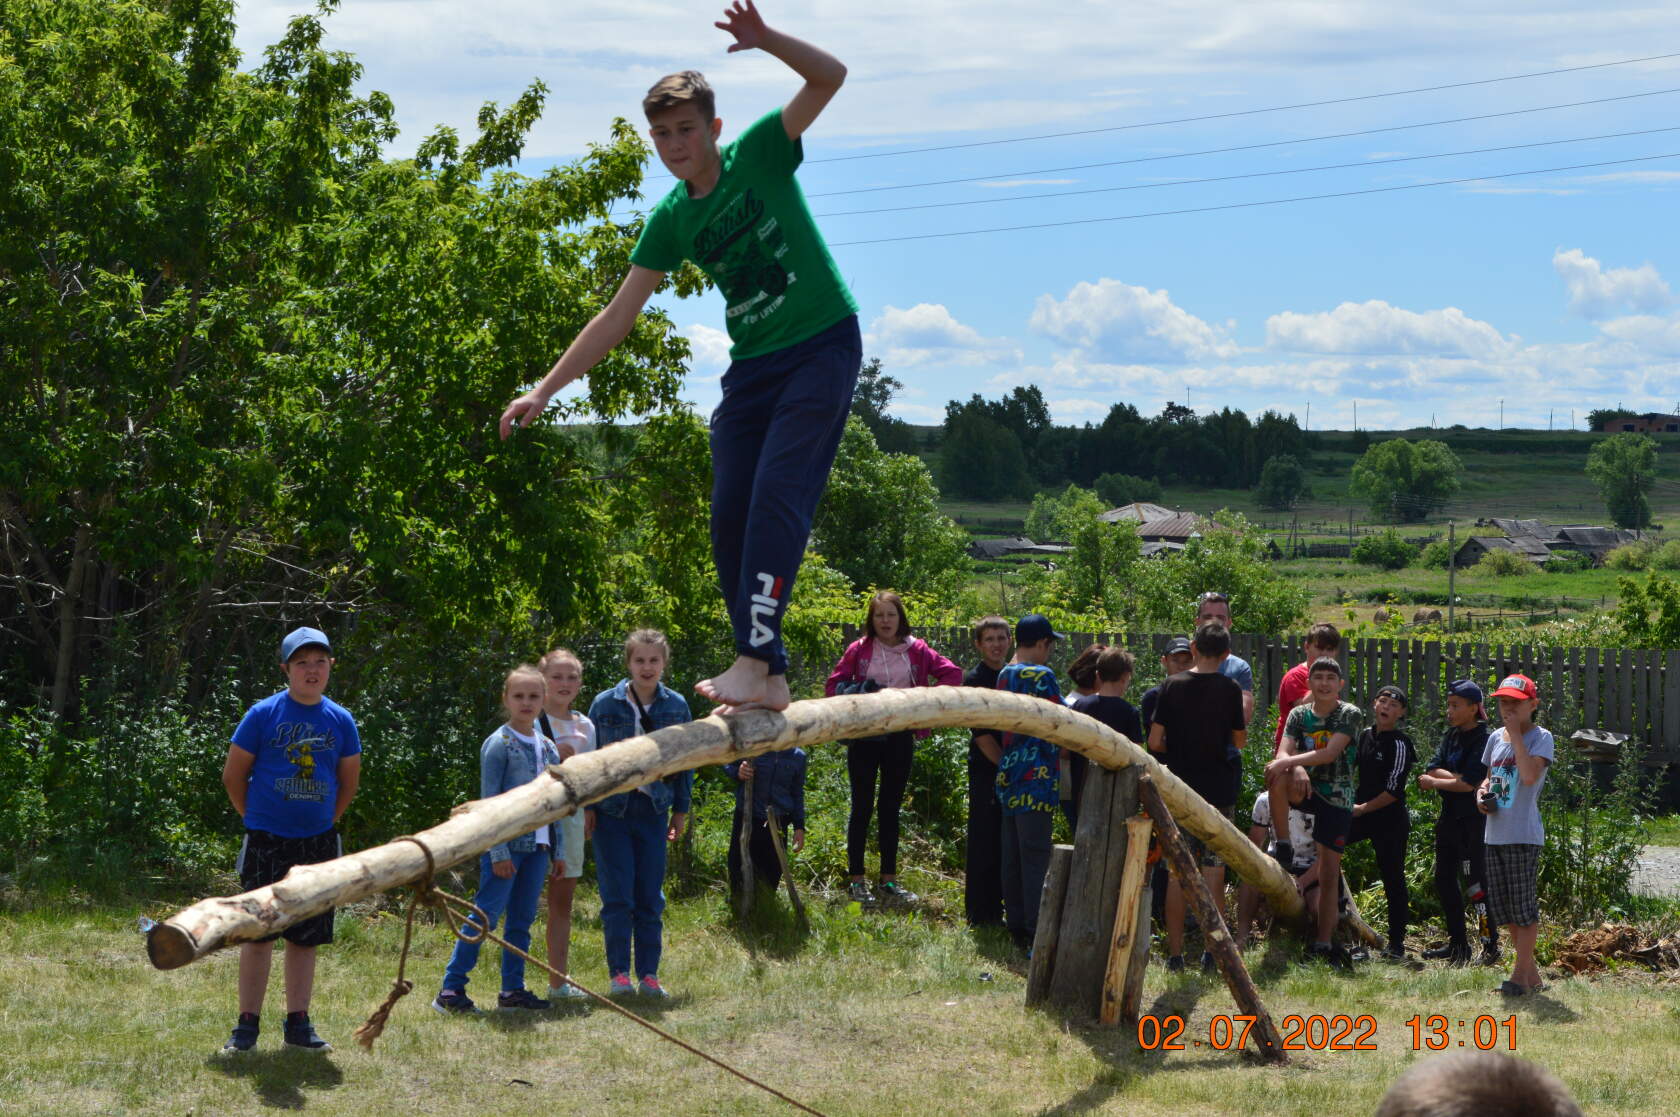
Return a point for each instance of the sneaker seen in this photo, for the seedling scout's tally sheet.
(520, 999)
(1392, 954)
(858, 892)
(454, 1002)
(1490, 956)
(620, 985)
(649, 987)
(1175, 964)
(1442, 953)
(566, 992)
(1208, 965)
(894, 893)
(1326, 952)
(301, 1033)
(244, 1035)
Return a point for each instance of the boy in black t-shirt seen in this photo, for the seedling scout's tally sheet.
(983, 856)
(1386, 755)
(1456, 770)
(1108, 705)
(1198, 718)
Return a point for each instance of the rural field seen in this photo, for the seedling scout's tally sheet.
(871, 1013)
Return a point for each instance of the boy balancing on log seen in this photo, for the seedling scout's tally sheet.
(738, 213)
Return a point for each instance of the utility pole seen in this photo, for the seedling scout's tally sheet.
(1350, 532)
(1548, 418)
(1501, 414)
(1309, 416)
(1356, 416)
(1452, 569)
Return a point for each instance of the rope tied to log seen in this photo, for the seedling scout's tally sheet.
(426, 892)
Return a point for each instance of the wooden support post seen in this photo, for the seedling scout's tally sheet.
(1268, 1041)
(1355, 923)
(1131, 922)
(1087, 914)
(775, 824)
(1049, 924)
(744, 902)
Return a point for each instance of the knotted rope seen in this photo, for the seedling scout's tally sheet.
(458, 911)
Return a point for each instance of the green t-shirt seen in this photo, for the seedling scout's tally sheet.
(754, 236)
(1335, 781)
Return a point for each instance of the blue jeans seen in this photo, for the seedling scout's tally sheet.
(517, 896)
(630, 871)
(774, 438)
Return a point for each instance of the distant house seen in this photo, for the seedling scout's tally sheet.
(1538, 541)
(1014, 545)
(1156, 550)
(1470, 552)
(1141, 511)
(1648, 423)
(1179, 528)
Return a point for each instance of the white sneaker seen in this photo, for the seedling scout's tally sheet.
(566, 992)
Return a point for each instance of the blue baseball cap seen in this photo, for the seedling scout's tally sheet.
(1465, 689)
(1034, 627)
(300, 638)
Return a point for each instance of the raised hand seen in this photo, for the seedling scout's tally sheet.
(743, 21)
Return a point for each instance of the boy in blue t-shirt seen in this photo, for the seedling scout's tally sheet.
(291, 770)
(1026, 782)
(738, 212)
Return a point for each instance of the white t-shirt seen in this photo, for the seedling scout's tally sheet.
(577, 731)
(1300, 832)
(541, 833)
(890, 666)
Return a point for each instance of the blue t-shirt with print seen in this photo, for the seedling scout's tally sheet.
(294, 778)
(1026, 779)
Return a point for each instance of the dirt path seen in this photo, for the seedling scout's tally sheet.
(1659, 871)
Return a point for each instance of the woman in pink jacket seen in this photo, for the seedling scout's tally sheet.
(887, 657)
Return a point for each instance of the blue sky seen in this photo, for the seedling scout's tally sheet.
(1551, 292)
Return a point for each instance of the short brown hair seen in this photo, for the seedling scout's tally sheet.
(675, 90)
(649, 636)
(1115, 664)
(1324, 635)
(1212, 639)
(1083, 669)
(887, 597)
(1469, 1084)
(985, 624)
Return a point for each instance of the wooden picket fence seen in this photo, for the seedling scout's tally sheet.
(1626, 690)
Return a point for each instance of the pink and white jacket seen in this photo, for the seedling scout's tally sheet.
(927, 667)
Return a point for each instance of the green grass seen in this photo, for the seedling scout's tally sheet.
(1665, 830)
(869, 1014)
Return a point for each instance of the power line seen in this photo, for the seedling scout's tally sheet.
(1251, 205)
(1249, 174)
(1248, 147)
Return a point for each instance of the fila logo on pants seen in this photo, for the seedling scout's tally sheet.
(764, 604)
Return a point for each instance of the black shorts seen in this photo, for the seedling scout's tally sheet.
(265, 858)
(1330, 822)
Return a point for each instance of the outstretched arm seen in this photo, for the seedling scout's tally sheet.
(596, 340)
(823, 73)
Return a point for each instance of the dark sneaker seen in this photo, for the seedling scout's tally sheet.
(894, 893)
(301, 1033)
(1392, 954)
(1207, 962)
(244, 1035)
(1175, 964)
(454, 1002)
(1442, 953)
(858, 892)
(1335, 956)
(520, 999)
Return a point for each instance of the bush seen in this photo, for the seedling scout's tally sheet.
(1629, 556)
(1385, 549)
(1436, 555)
(1504, 564)
(1594, 833)
(1569, 562)
(1667, 556)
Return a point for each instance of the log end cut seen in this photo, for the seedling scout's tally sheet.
(169, 947)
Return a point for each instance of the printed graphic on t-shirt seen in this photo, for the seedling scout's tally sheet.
(307, 749)
(1502, 783)
(744, 251)
(1026, 778)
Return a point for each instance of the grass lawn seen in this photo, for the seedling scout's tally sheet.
(872, 1013)
(1665, 831)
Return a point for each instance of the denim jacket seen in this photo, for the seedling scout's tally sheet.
(615, 718)
(504, 763)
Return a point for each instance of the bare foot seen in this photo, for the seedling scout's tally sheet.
(745, 682)
(776, 697)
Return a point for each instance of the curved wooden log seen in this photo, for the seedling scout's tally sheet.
(217, 922)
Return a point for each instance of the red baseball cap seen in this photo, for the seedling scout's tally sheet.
(1516, 686)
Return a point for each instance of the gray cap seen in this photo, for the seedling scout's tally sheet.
(299, 638)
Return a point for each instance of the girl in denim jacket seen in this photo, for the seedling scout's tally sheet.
(510, 875)
(633, 827)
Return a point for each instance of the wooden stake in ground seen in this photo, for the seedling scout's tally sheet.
(1354, 921)
(307, 890)
(1087, 915)
(1216, 937)
(775, 824)
(744, 902)
(1049, 929)
(1131, 926)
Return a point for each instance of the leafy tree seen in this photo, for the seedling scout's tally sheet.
(1405, 481)
(1504, 564)
(1648, 613)
(1436, 555)
(1599, 416)
(1282, 483)
(1051, 513)
(875, 392)
(981, 458)
(1116, 489)
(1624, 467)
(1384, 549)
(879, 523)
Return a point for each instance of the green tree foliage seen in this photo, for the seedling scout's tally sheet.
(1624, 467)
(874, 394)
(1384, 549)
(981, 459)
(1116, 489)
(260, 365)
(1282, 483)
(879, 523)
(1599, 416)
(1403, 481)
(1504, 564)
(1436, 555)
(1648, 613)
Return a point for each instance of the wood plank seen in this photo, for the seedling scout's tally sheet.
(1099, 858)
(1042, 965)
(1641, 696)
(1131, 993)
(1624, 690)
(1131, 918)
(1556, 667)
(1671, 706)
(1216, 937)
(1433, 685)
(1590, 713)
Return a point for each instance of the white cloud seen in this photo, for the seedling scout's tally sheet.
(1110, 322)
(709, 351)
(927, 334)
(1648, 333)
(1595, 292)
(1377, 328)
